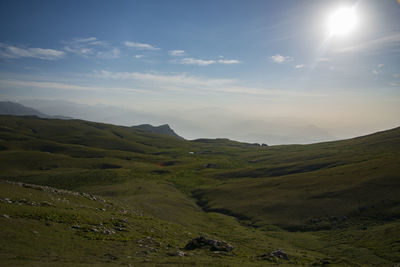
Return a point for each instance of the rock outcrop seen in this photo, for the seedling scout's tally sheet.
(212, 244)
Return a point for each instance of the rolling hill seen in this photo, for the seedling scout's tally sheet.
(333, 203)
(16, 109)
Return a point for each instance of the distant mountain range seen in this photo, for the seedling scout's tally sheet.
(11, 108)
(207, 122)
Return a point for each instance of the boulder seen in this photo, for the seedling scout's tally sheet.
(210, 165)
(212, 244)
(280, 254)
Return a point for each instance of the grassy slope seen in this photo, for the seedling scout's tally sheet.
(298, 184)
(349, 187)
(40, 229)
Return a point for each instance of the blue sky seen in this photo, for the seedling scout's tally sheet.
(262, 59)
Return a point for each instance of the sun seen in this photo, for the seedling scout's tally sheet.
(342, 21)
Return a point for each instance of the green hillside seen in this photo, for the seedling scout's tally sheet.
(357, 178)
(334, 203)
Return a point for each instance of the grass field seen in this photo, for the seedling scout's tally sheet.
(334, 203)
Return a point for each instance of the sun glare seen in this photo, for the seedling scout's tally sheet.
(342, 21)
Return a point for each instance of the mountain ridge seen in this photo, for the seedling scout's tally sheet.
(16, 109)
(161, 129)
(12, 108)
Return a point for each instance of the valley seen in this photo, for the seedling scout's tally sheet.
(79, 193)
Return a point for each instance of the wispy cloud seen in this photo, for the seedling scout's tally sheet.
(281, 59)
(205, 62)
(189, 83)
(382, 42)
(195, 61)
(91, 47)
(323, 59)
(82, 51)
(155, 83)
(10, 51)
(138, 56)
(300, 66)
(109, 54)
(66, 86)
(165, 79)
(228, 61)
(177, 53)
(378, 69)
(88, 41)
(140, 46)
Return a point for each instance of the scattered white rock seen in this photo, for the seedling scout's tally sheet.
(178, 253)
